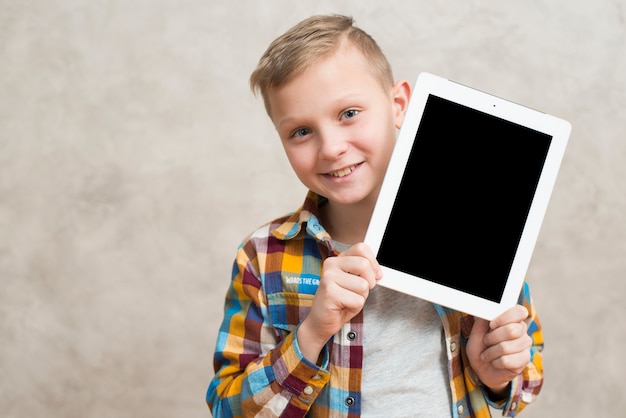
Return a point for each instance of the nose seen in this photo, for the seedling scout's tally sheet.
(333, 142)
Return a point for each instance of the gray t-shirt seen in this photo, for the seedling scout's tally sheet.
(405, 369)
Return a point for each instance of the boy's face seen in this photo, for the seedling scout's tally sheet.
(337, 124)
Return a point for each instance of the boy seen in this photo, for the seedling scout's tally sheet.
(306, 331)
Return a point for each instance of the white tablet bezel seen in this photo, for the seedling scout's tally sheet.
(429, 84)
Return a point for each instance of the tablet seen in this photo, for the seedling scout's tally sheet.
(464, 196)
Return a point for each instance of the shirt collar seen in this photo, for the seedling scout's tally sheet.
(306, 218)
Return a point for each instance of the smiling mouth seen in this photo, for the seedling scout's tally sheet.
(343, 172)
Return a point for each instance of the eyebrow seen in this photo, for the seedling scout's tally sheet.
(283, 122)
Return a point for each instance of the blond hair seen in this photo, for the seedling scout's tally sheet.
(306, 43)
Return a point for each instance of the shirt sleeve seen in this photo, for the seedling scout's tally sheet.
(525, 388)
(259, 369)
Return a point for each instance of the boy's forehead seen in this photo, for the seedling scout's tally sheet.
(343, 71)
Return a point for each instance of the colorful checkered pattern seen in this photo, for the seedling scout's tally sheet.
(260, 370)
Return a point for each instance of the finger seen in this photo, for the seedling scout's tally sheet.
(351, 273)
(354, 301)
(363, 250)
(517, 313)
(338, 290)
(520, 346)
(357, 266)
(514, 362)
(355, 283)
(508, 332)
(480, 327)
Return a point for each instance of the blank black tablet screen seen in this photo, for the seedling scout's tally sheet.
(463, 199)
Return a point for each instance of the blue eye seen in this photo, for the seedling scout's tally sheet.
(301, 132)
(349, 114)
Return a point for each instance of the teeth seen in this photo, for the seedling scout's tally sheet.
(343, 172)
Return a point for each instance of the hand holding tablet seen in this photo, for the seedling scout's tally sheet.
(464, 196)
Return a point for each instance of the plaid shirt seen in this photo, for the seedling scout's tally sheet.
(259, 367)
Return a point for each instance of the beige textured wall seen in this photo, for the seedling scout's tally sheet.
(133, 159)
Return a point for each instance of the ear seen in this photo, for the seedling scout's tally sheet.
(401, 93)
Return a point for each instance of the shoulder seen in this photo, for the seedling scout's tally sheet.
(260, 238)
(288, 226)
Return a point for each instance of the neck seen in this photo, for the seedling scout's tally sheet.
(346, 224)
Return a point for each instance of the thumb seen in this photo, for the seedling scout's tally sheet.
(480, 328)
(476, 342)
